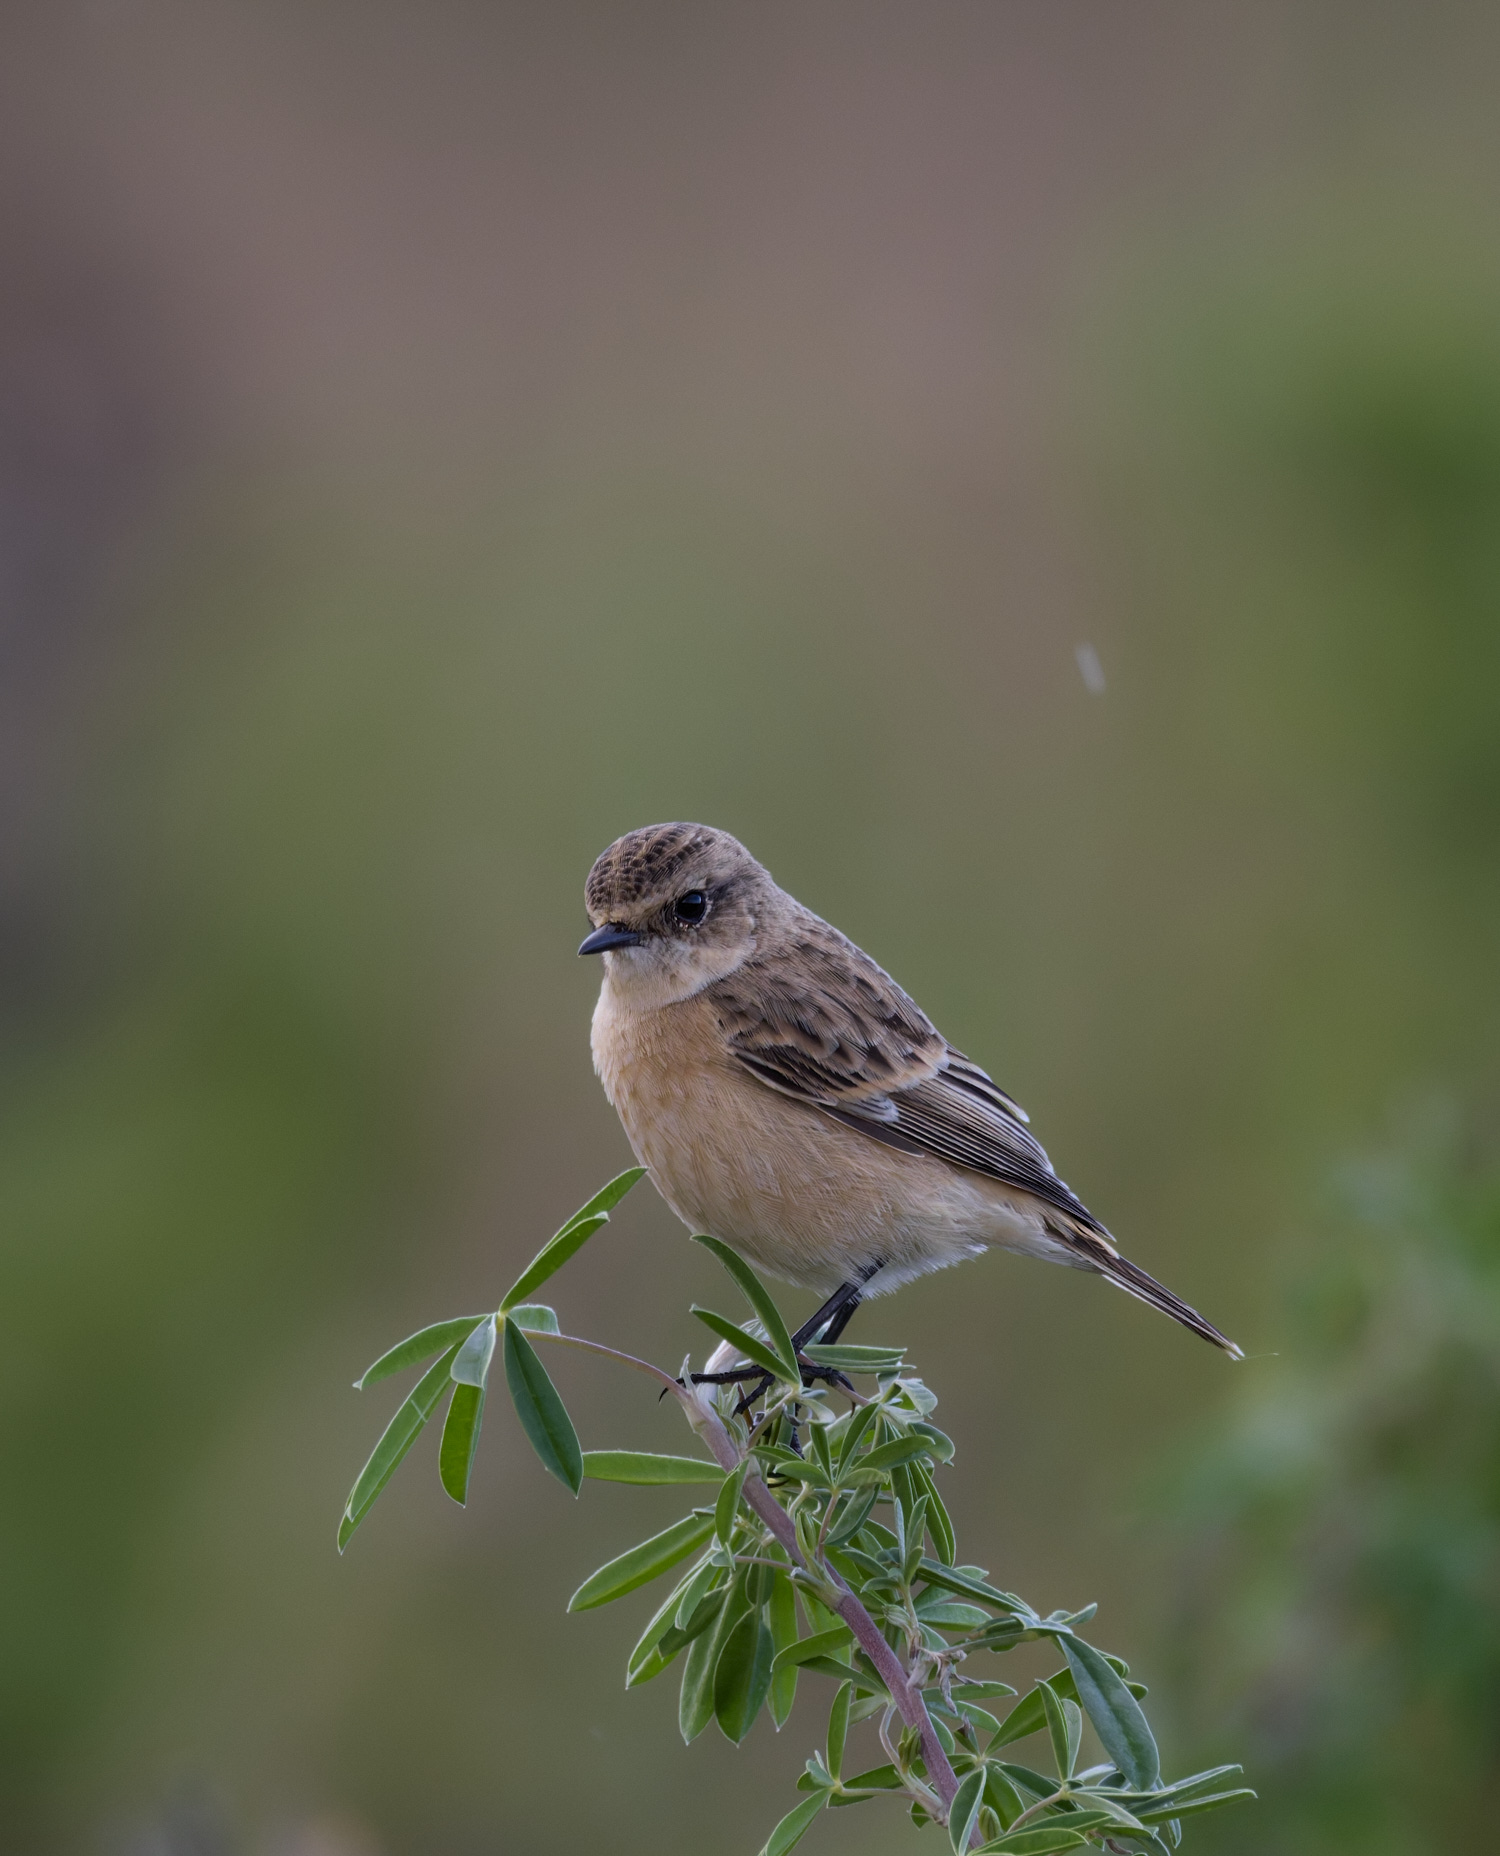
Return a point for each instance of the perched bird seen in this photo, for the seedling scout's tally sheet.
(791, 1100)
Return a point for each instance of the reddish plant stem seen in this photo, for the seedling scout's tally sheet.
(906, 1695)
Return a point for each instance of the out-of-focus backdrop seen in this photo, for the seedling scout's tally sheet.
(1030, 470)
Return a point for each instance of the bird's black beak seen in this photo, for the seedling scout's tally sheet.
(610, 935)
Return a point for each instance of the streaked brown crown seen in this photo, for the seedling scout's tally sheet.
(649, 866)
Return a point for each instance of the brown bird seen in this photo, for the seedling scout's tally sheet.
(790, 1099)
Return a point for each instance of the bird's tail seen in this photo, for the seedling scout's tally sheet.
(1134, 1281)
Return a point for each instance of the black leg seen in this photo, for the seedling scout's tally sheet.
(824, 1327)
(835, 1314)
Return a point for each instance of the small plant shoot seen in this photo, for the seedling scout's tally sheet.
(818, 1556)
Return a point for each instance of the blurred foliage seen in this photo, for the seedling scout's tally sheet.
(1341, 1599)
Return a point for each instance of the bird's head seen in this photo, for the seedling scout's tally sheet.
(676, 907)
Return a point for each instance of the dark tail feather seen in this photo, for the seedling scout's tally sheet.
(1134, 1281)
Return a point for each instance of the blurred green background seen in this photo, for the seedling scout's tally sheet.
(434, 440)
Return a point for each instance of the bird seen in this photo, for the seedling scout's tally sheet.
(790, 1099)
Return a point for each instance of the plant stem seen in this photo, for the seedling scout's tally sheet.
(906, 1695)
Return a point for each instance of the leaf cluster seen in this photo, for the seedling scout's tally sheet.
(826, 1554)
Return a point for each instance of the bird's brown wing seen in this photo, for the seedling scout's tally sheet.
(820, 1022)
(823, 1024)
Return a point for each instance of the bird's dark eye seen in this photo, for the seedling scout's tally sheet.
(692, 907)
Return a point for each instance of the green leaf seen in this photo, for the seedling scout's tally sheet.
(938, 1442)
(838, 1727)
(1027, 1717)
(460, 1439)
(793, 1826)
(1064, 1748)
(1035, 1782)
(964, 1809)
(781, 1615)
(642, 1563)
(419, 1346)
(753, 1349)
(1164, 1813)
(1002, 1797)
(471, 1364)
(535, 1317)
(877, 1779)
(695, 1702)
(727, 1505)
(982, 1691)
(543, 1415)
(825, 1643)
(898, 1450)
(397, 1438)
(1040, 1841)
(859, 1423)
(573, 1235)
(757, 1295)
(1115, 1713)
(742, 1676)
(662, 1621)
(855, 1359)
(939, 1524)
(950, 1614)
(640, 1467)
(864, 1679)
(957, 1579)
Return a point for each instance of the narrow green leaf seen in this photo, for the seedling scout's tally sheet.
(471, 1364)
(939, 1524)
(573, 1235)
(855, 1359)
(1057, 1729)
(825, 1643)
(889, 1456)
(1165, 1813)
(959, 1579)
(535, 1317)
(1035, 1782)
(859, 1423)
(397, 1438)
(964, 1809)
(695, 1588)
(543, 1415)
(853, 1518)
(640, 1467)
(1115, 1713)
(838, 1727)
(793, 1827)
(1002, 1797)
(877, 1779)
(864, 1679)
(982, 1691)
(1027, 1717)
(419, 1346)
(953, 1615)
(781, 1615)
(754, 1349)
(460, 1439)
(642, 1563)
(759, 1298)
(662, 1620)
(695, 1702)
(1182, 1788)
(742, 1676)
(1041, 1841)
(727, 1505)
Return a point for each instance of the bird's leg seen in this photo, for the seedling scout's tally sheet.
(834, 1316)
(823, 1327)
